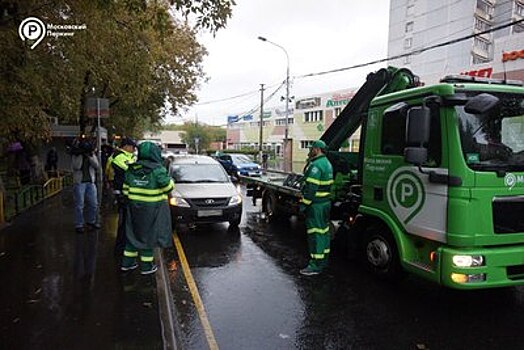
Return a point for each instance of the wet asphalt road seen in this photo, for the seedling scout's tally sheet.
(63, 290)
(255, 299)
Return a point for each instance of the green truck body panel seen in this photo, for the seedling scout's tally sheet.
(468, 208)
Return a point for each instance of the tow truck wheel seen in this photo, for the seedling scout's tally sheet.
(269, 204)
(381, 254)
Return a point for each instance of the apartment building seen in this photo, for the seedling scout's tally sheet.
(417, 24)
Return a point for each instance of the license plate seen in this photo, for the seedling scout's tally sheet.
(204, 213)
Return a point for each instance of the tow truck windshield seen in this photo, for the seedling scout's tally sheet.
(494, 141)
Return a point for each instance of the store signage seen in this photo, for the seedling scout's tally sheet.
(339, 100)
(282, 112)
(512, 56)
(482, 73)
(308, 103)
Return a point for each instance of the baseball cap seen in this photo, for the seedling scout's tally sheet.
(318, 144)
(127, 141)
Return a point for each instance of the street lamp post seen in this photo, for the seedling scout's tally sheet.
(286, 132)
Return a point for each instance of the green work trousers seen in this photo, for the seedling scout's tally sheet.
(319, 239)
(131, 254)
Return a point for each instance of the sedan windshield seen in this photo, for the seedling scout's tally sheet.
(494, 142)
(241, 159)
(198, 173)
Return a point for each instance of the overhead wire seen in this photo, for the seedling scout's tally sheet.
(414, 52)
(394, 57)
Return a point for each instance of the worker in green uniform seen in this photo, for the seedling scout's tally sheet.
(119, 162)
(316, 206)
(148, 219)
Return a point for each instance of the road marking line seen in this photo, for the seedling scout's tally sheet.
(211, 341)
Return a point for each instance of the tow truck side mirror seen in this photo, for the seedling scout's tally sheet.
(417, 135)
(481, 104)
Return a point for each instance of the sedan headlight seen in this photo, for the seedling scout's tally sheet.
(235, 200)
(178, 202)
(468, 260)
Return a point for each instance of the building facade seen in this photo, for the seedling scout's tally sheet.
(308, 117)
(417, 24)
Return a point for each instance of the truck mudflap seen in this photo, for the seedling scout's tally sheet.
(482, 268)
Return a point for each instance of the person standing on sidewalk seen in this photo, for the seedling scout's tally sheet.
(316, 205)
(120, 161)
(84, 165)
(148, 219)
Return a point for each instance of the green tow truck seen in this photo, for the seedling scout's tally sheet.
(437, 187)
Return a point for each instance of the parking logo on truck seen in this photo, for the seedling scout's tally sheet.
(511, 180)
(406, 194)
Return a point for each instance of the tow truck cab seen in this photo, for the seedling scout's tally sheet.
(437, 187)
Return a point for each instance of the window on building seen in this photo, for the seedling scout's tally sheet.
(408, 42)
(481, 25)
(479, 60)
(337, 111)
(482, 44)
(313, 116)
(407, 59)
(282, 121)
(410, 10)
(304, 144)
(409, 27)
(519, 9)
(486, 7)
(518, 28)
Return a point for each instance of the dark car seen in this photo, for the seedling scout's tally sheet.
(239, 164)
(204, 193)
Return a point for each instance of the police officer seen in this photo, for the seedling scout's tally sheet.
(120, 161)
(316, 205)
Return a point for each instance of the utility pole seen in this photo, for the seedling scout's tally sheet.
(261, 122)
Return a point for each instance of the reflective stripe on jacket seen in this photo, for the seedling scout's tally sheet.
(318, 179)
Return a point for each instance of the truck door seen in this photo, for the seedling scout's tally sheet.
(401, 189)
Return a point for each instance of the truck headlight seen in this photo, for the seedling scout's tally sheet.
(178, 202)
(235, 200)
(468, 260)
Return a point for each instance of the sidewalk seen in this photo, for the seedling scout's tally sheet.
(63, 290)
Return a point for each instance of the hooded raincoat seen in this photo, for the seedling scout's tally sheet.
(146, 185)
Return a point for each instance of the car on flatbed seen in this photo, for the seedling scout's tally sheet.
(204, 192)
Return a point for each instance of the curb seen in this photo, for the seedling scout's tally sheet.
(165, 305)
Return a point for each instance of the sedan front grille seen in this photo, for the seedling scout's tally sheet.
(209, 202)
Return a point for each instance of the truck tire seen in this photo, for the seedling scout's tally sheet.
(380, 253)
(269, 204)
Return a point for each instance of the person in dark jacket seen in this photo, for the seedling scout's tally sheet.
(52, 160)
(148, 218)
(84, 165)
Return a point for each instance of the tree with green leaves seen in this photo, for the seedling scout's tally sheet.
(142, 55)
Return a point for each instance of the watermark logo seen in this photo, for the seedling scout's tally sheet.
(511, 180)
(406, 194)
(35, 30)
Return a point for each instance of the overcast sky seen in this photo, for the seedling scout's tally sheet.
(318, 35)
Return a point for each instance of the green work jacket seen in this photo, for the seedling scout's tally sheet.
(120, 161)
(318, 178)
(146, 186)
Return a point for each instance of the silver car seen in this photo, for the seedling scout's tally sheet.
(204, 192)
